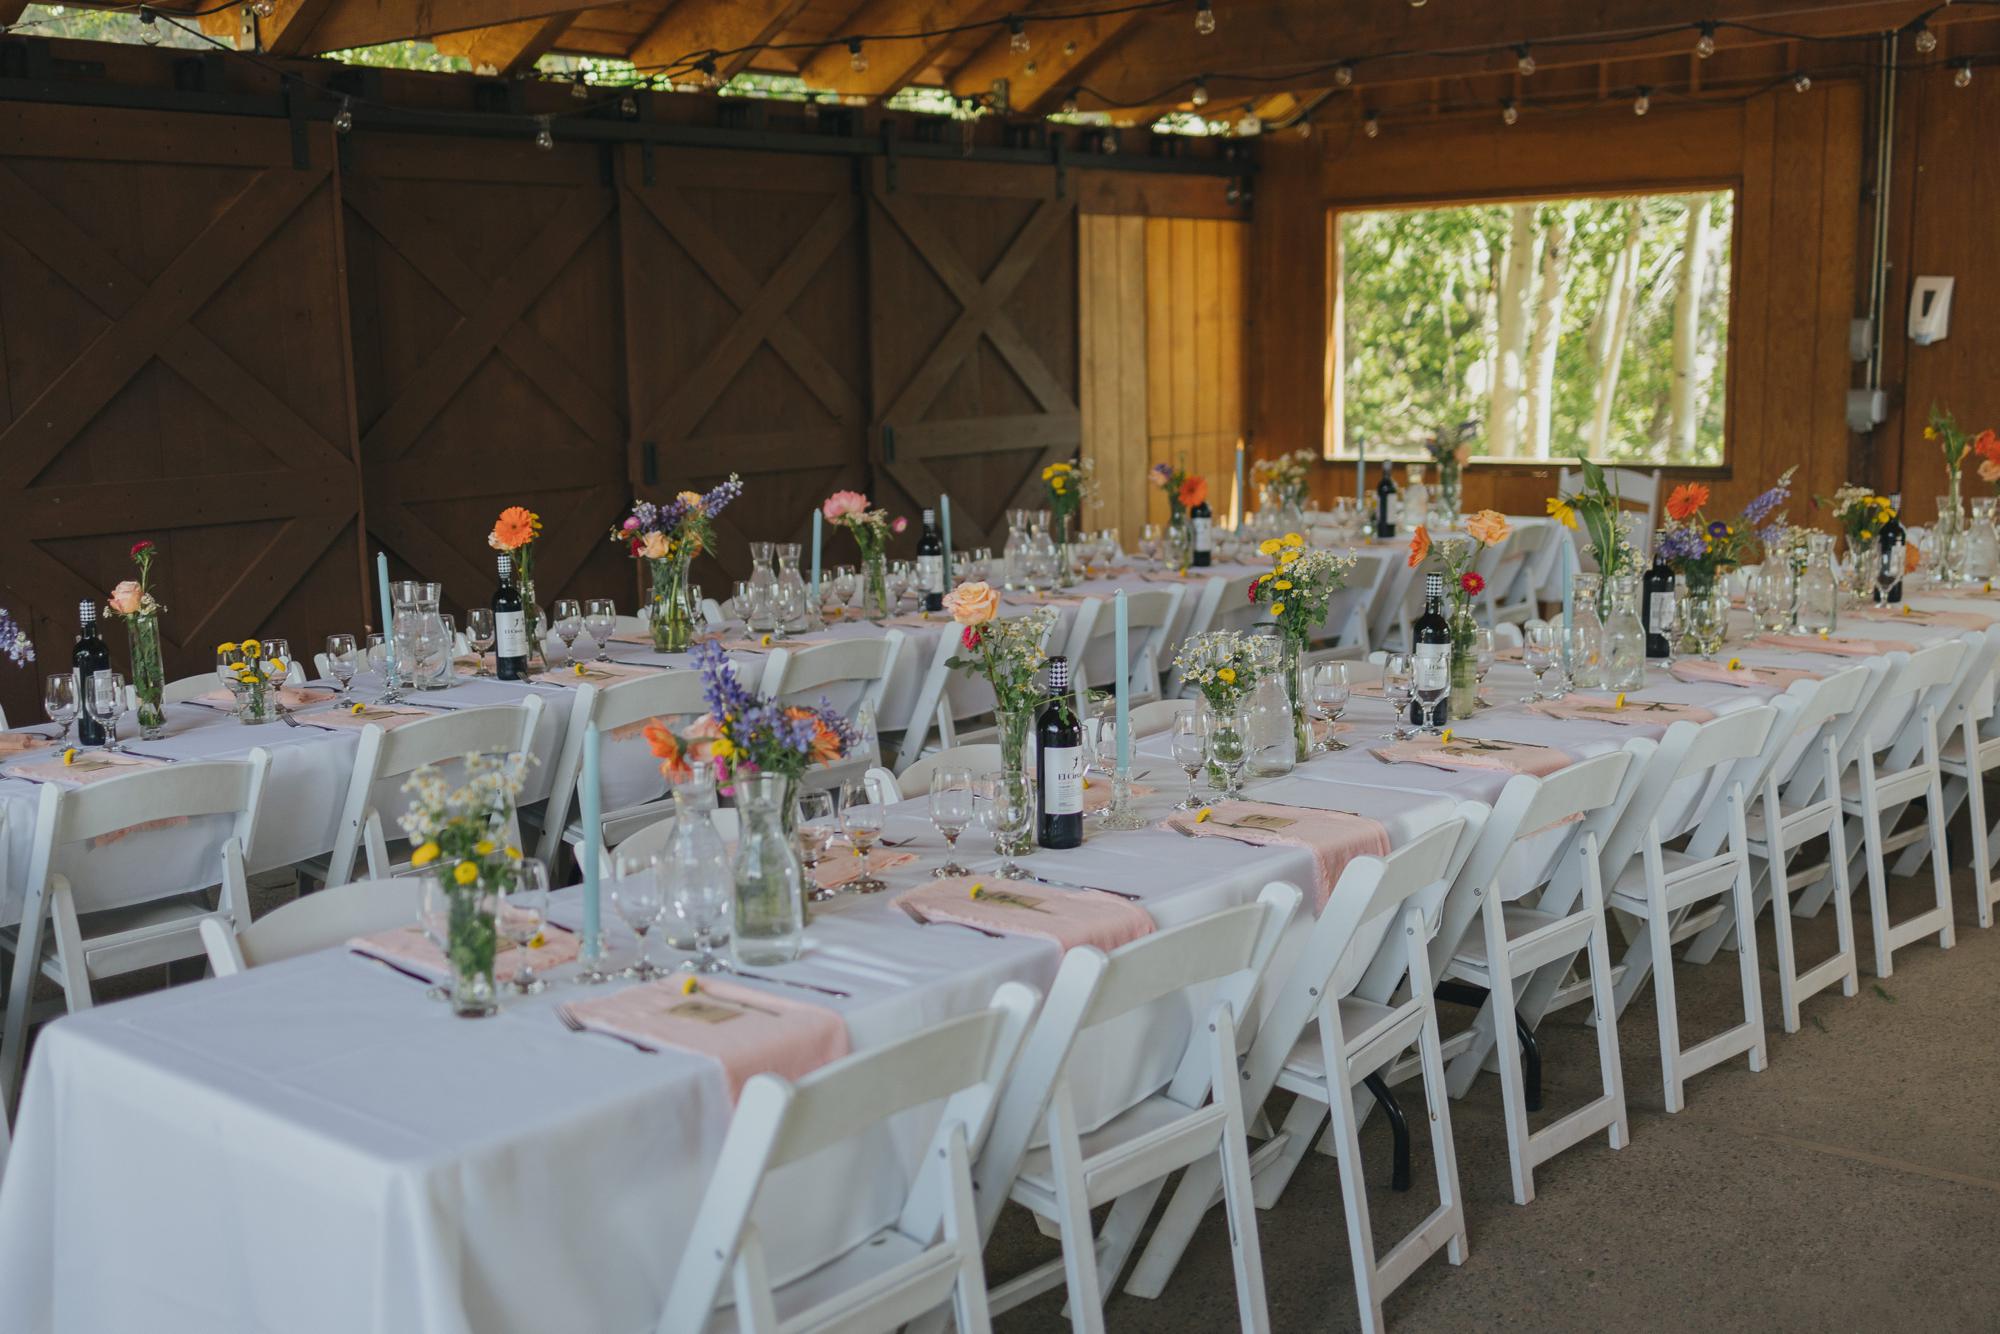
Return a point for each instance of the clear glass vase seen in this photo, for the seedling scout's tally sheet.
(875, 590)
(149, 678)
(471, 943)
(1624, 637)
(1268, 718)
(1180, 543)
(697, 858)
(770, 879)
(1819, 587)
(1464, 663)
(1982, 543)
(1948, 536)
(671, 615)
(1586, 635)
(257, 704)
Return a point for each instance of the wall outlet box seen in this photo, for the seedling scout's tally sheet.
(1930, 310)
(1860, 339)
(1866, 409)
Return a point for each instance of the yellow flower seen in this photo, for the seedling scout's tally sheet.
(1204, 813)
(977, 885)
(425, 855)
(1056, 486)
(1825, 633)
(513, 854)
(279, 667)
(764, 641)
(577, 667)
(1285, 558)
(1930, 433)
(1736, 664)
(466, 873)
(69, 755)
(1268, 547)
(252, 649)
(722, 748)
(356, 707)
(1277, 609)
(1560, 511)
(1225, 674)
(1619, 703)
(1444, 737)
(484, 847)
(230, 647)
(1282, 585)
(539, 941)
(689, 986)
(1294, 540)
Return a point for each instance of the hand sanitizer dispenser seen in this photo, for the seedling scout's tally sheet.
(1930, 310)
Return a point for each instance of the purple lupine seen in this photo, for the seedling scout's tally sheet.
(1766, 504)
(14, 641)
(1683, 544)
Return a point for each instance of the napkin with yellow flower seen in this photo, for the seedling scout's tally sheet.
(745, 1031)
(1334, 838)
(1069, 917)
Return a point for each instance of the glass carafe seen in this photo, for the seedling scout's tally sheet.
(1948, 541)
(423, 645)
(697, 855)
(770, 880)
(1819, 586)
(1014, 556)
(1586, 646)
(761, 614)
(791, 603)
(1982, 543)
(1267, 710)
(1624, 637)
(1041, 559)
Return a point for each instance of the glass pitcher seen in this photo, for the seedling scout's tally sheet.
(1039, 564)
(1948, 542)
(1981, 558)
(791, 604)
(1819, 586)
(1624, 637)
(697, 856)
(1586, 635)
(760, 613)
(770, 880)
(423, 644)
(1267, 709)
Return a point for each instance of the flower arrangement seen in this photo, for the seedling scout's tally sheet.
(515, 532)
(746, 733)
(1183, 489)
(870, 528)
(1700, 548)
(1069, 484)
(1860, 513)
(1296, 592)
(14, 641)
(132, 602)
(1288, 475)
(1219, 663)
(1987, 446)
(1009, 654)
(1462, 584)
(1596, 505)
(1448, 455)
(668, 538)
(251, 674)
(1944, 430)
(464, 832)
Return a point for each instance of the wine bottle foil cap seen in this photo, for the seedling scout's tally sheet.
(506, 564)
(87, 609)
(1434, 582)
(1058, 674)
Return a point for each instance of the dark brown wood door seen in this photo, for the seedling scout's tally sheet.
(485, 287)
(972, 284)
(173, 366)
(744, 290)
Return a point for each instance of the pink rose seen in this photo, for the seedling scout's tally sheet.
(972, 604)
(632, 524)
(843, 503)
(900, 523)
(125, 598)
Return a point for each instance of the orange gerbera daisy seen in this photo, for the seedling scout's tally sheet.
(1420, 546)
(1193, 491)
(1987, 445)
(1686, 501)
(515, 528)
(667, 747)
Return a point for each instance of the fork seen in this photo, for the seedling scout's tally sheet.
(569, 1020)
(1180, 828)
(1071, 884)
(910, 911)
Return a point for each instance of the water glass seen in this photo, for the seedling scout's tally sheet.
(480, 632)
(1327, 691)
(861, 818)
(1888, 573)
(569, 624)
(434, 916)
(343, 660)
(1540, 649)
(700, 902)
(952, 809)
(1189, 746)
(1228, 747)
(107, 704)
(600, 620)
(818, 811)
(1483, 651)
(1008, 812)
(1399, 688)
(521, 916)
(59, 701)
(640, 897)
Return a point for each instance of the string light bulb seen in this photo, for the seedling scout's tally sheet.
(1371, 126)
(545, 138)
(263, 9)
(709, 78)
(856, 59)
(1643, 102)
(1963, 78)
(1204, 17)
(1200, 95)
(1017, 35)
(1525, 60)
(1509, 112)
(1925, 41)
(1069, 102)
(1305, 129)
(628, 107)
(343, 119)
(1801, 82)
(1704, 45)
(579, 87)
(149, 28)
(1069, 48)
(812, 107)
(1343, 75)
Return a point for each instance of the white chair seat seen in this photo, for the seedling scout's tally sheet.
(1361, 1022)
(119, 940)
(1630, 890)
(842, 1277)
(1036, 1184)
(1471, 954)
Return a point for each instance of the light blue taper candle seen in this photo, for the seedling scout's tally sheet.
(1120, 648)
(1569, 555)
(1237, 504)
(817, 521)
(593, 838)
(944, 511)
(388, 618)
(1361, 472)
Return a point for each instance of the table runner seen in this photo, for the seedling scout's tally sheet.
(87, 766)
(1621, 710)
(1836, 645)
(1069, 917)
(409, 947)
(746, 1031)
(1467, 752)
(1333, 837)
(1736, 672)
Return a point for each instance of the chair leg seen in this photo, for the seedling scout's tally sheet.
(1878, 892)
(1399, 1131)
(1598, 951)
(1513, 1097)
(1451, 1202)
(1079, 1244)
(1746, 959)
(1982, 864)
(1781, 930)
(1941, 862)
(1660, 939)
(1354, 1197)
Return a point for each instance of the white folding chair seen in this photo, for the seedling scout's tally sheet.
(915, 781)
(189, 687)
(1158, 716)
(1322, 1042)
(850, 674)
(624, 704)
(930, 1253)
(374, 800)
(308, 923)
(1635, 490)
(1663, 885)
(1510, 591)
(651, 839)
(1196, 1118)
(1149, 615)
(1965, 756)
(91, 942)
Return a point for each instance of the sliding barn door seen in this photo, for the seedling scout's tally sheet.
(743, 278)
(173, 367)
(972, 327)
(485, 288)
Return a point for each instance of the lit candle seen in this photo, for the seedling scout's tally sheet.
(1236, 505)
(593, 838)
(816, 540)
(944, 509)
(388, 618)
(1119, 651)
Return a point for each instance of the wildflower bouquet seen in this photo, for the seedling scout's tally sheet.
(253, 675)
(515, 533)
(14, 641)
(1462, 585)
(1069, 484)
(1288, 475)
(1700, 549)
(1183, 489)
(1219, 663)
(1296, 592)
(1860, 513)
(755, 734)
(1595, 504)
(1944, 430)
(466, 833)
(870, 529)
(133, 602)
(668, 538)
(1009, 655)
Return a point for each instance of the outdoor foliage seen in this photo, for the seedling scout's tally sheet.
(1425, 338)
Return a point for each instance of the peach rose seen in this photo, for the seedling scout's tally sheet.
(843, 503)
(655, 546)
(972, 603)
(1489, 526)
(1989, 471)
(125, 598)
(1420, 546)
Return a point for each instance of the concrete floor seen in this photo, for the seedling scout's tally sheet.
(1853, 1184)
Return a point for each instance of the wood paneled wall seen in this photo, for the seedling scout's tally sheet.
(1111, 319)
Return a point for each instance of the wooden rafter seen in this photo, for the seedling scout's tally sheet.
(891, 65)
(507, 47)
(1061, 53)
(291, 25)
(713, 25)
(348, 23)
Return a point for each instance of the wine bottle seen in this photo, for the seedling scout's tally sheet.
(1891, 535)
(1202, 519)
(1058, 765)
(930, 564)
(1385, 506)
(1430, 653)
(510, 627)
(90, 656)
(1657, 609)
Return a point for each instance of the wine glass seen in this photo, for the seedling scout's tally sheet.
(1429, 688)
(277, 662)
(1009, 814)
(1888, 573)
(434, 916)
(480, 631)
(523, 912)
(699, 901)
(568, 625)
(1189, 746)
(107, 704)
(1398, 687)
(1327, 689)
(1483, 651)
(861, 819)
(600, 619)
(902, 577)
(1539, 651)
(342, 660)
(1149, 544)
(1228, 747)
(640, 897)
(59, 701)
(817, 831)
(952, 809)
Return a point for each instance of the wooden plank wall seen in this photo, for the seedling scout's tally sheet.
(1111, 319)
(1796, 162)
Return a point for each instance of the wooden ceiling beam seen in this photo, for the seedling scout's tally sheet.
(291, 25)
(347, 23)
(714, 25)
(1062, 51)
(891, 64)
(509, 47)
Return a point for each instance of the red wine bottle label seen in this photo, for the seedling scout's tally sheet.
(1062, 780)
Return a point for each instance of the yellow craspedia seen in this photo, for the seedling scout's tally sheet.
(1444, 737)
(425, 855)
(1203, 814)
(466, 873)
(689, 986)
(1736, 664)
(1225, 674)
(722, 748)
(69, 755)
(577, 667)
(356, 707)
(1619, 703)
(1277, 609)
(513, 854)
(226, 648)
(484, 847)
(764, 641)
(977, 885)
(252, 649)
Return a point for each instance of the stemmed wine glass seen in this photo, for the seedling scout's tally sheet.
(59, 701)
(1189, 744)
(1008, 812)
(952, 809)
(568, 625)
(846, 583)
(480, 632)
(107, 705)
(1327, 690)
(699, 901)
(342, 660)
(1888, 572)
(861, 819)
(1229, 748)
(600, 618)
(434, 916)
(1398, 687)
(1430, 682)
(640, 898)
(817, 810)
(1539, 651)
(1483, 650)
(523, 912)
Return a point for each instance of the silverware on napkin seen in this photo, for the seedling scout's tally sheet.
(1071, 884)
(910, 911)
(567, 1017)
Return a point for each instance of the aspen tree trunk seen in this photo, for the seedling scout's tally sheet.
(1682, 409)
(1620, 301)
(1547, 333)
(1510, 341)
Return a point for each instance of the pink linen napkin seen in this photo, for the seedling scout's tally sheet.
(1097, 794)
(1069, 917)
(594, 673)
(842, 868)
(89, 766)
(289, 697)
(385, 716)
(1908, 615)
(1835, 645)
(1167, 577)
(918, 620)
(748, 1032)
(1334, 838)
(410, 947)
(1042, 600)
(1777, 678)
(1634, 712)
(1466, 752)
(20, 743)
